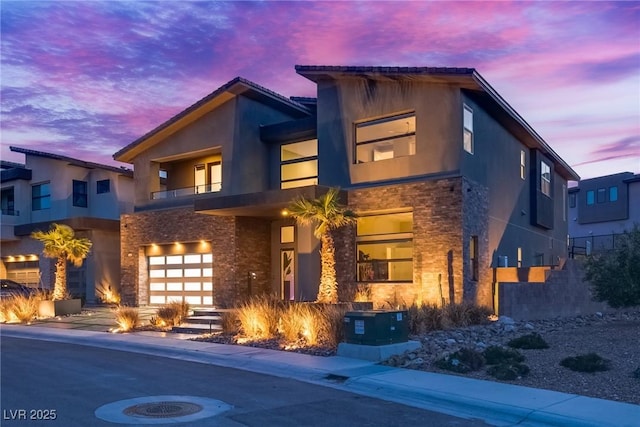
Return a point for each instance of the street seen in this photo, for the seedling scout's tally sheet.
(58, 384)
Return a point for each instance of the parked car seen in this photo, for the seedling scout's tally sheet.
(9, 288)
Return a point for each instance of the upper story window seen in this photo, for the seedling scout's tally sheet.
(545, 178)
(386, 138)
(467, 138)
(523, 164)
(572, 200)
(8, 201)
(299, 164)
(80, 197)
(591, 197)
(40, 196)
(385, 247)
(103, 186)
(602, 195)
(613, 194)
(208, 178)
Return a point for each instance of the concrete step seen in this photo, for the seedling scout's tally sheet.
(205, 320)
(196, 328)
(209, 311)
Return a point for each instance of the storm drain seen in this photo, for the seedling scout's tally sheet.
(161, 410)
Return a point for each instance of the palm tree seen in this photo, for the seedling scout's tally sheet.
(61, 243)
(326, 213)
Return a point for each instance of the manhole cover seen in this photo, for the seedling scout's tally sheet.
(163, 409)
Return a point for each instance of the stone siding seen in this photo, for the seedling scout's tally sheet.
(438, 250)
(234, 241)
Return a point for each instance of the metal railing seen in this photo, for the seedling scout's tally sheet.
(586, 245)
(187, 191)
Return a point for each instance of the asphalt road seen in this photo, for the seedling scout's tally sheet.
(45, 380)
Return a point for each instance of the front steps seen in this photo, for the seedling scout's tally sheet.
(204, 320)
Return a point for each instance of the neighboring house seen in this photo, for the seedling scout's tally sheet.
(447, 179)
(86, 196)
(601, 208)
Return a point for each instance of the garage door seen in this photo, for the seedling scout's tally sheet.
(186, 277)
(25, 272)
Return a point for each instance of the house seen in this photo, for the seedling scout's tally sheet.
(600, 209)
(88, 197)
(448, 182)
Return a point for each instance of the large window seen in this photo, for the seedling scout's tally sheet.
(385, 248)
(40, 196)
(545, 178)
(386, 138)
(8, 201)
(613, 194)
(591, 197)
(299, 164)
(467, 139)
(80, 198)
(208, 178)
(103, 186)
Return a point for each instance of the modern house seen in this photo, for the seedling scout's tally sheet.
(448, 182)
(50, 188)
(602, 208)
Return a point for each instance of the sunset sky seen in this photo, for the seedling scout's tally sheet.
(86, 78)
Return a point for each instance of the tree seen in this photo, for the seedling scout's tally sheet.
(61, 244)
(615, 275)
(326, 214)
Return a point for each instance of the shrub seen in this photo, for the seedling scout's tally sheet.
(127, 318)
(332, 326)
(363, 294)
(466, 314)
(615, 275)
(462, 361)
(528, 342)
(590, 362)
(508, 371)
(424, 318)
(301, 321)
(259, 317)
(21, 308)
(497, 355)
(172, 314)
(230, 322)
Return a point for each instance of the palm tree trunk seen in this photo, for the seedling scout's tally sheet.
(328, 289)
(60, 286)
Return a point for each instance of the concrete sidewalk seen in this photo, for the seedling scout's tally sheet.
(496, 403)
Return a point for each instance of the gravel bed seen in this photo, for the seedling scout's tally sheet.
(613, 336)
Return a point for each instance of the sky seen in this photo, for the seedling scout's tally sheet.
(86, 78)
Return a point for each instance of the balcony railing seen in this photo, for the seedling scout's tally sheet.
(187, 191)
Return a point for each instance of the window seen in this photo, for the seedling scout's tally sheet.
(473, 257)
(564, 202)
(613, 194)
(523, 163)
(591, 197)
(386, 138)
(467, 137)
(385, 248)
(287, 234)
(299, 164)
(545, 178)
(602, 195)
(207, 179)
(8, 201)
(80, 193)
(103, 186)
(40, 196)
(572, 200)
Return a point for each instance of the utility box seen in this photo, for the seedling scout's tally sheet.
(376, 327)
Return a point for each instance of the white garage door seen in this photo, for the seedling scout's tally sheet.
(186, 277)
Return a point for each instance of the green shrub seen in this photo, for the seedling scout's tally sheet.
(508, 371)
(615, 275)
(497, 355)
(586, 363)
(462, 361)
(528, 342)
(427, 317)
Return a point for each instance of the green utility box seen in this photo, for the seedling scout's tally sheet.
(376, 327)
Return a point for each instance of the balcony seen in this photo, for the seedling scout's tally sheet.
(10, 218)
(187, 191)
